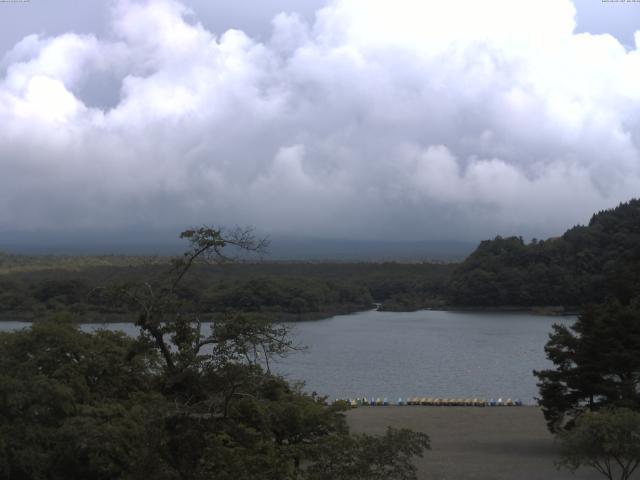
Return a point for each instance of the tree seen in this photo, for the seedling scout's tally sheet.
(586, 264)
(597, 363)
(183, 400)
(73, 406)
(172, 323)
(366, 457)
(607, 440)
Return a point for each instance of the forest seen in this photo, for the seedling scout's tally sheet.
(289, 291)
(587, 264)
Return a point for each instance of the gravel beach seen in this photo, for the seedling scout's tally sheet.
(491, 443)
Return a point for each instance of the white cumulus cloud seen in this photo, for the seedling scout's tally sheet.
(377, 120)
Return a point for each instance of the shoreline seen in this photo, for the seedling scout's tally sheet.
(550, 311)
(547, 311)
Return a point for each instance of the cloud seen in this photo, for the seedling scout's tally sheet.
(401, 120)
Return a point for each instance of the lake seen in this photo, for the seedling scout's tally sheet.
(426, 353)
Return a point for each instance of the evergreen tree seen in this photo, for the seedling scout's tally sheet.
(597, 363)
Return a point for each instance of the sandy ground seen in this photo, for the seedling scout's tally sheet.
(491, 443)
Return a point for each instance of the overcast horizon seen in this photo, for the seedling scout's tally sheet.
(343, 119)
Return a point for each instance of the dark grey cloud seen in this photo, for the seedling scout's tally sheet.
(364, 119)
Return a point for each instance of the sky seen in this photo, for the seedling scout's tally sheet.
(353, 119)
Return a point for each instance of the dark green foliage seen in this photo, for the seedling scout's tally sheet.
(365, 457)
(178, 402)
(607, 440)
(597, 363)
(287, 295)
(285, 291)
(587, 264)
(69, 399)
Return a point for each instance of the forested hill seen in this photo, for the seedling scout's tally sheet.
(587, 264)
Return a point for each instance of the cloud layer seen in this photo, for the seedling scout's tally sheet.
(379, 119)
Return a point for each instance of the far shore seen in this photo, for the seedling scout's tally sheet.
(93, 317)
(475, 443)
(547, 311)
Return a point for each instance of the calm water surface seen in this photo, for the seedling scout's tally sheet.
(425, 353)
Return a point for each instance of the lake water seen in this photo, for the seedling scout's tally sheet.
(425, 353)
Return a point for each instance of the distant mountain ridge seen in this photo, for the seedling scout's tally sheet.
(586, 264)
(281, 247)
(292, 248)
